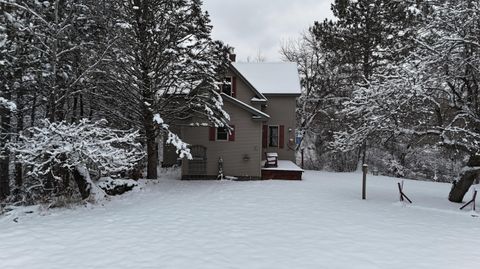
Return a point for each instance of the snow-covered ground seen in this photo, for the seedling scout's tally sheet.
(320, 222)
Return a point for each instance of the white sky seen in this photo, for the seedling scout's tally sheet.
(253, 26)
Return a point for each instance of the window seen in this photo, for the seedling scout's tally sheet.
(273, 136)
(222, 134)
(227, 86)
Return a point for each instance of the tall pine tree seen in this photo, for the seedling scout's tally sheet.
(165, 63)
(366, 37)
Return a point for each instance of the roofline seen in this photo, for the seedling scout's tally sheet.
(245, 106)
(235, 70)
(283, 94)
(259, 101)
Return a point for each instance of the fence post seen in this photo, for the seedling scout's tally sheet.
(364, 181)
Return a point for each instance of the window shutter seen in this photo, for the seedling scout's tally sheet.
(265, 136)
(282, 136)
(212, 133)
(234, 87)
(231, 136)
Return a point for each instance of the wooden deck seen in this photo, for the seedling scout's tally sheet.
(286, 170)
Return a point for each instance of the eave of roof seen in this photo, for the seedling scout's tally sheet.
(244, 106)
(283, 94)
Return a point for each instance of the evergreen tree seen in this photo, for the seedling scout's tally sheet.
(367, 37)
(165, 63)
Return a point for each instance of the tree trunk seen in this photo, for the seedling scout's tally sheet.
(151, 147)
(18, 166)
(33, 109)
(148, 96)
(467, 177)
(4, 155)
(4, 176)
(74, 109)
(18, 175)
(85, 184)
(82, 183)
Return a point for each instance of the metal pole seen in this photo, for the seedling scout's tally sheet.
(364, 181)
(303, 152)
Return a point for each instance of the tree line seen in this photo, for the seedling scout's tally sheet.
(121, 71)
(393, 84)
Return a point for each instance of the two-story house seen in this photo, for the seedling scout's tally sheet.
(261, 100)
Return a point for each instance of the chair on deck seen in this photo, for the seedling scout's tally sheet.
(271, 159)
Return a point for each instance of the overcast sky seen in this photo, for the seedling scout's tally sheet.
(262, 25)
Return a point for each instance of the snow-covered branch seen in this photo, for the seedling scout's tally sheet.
(7, 104)
(173, 139)
(78, 147)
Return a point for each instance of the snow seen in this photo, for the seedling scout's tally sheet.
(110, 183)
(8, 104)
(271, 78)
(124, 25)
(254, 99)
(319, 222)
(284, 165)
(158, 119)
(414, 10)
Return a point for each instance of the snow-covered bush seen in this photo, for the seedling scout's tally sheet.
(52, 153)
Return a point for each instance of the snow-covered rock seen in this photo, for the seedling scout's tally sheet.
(116, 186)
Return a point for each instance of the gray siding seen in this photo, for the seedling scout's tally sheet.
(248, 142)
(244, 93)
(248, 136)
(282, 112)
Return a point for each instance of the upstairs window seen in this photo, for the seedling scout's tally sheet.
(227, 87)
(273, 136)
(222, 134)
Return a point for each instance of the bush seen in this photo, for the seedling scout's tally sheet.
(54, 154)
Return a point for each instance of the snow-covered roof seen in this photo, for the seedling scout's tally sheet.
(271, 78)
(249, 108)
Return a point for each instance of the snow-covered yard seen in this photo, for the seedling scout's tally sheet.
(320, 222)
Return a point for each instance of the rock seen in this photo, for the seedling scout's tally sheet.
(116, 186)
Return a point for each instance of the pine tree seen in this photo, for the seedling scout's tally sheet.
(165, 63)
(367, 37)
